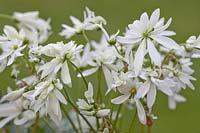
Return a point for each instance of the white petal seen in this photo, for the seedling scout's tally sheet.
(108, 77)
(139, 58)
(88, 72)
(128, 40)
(179, 98)
(155, 17)
(144, 88)
(166, 42)
(89, 93)
(155, 56)
(60, 96)
(120, 99)
(151, 96)
(103, 112)
(7, 119)
(141, 112)
(65, 75)
(171, 103)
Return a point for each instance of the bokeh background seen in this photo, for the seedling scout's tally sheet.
(119, 13)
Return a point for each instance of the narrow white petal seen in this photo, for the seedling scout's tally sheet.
(139, 58)
(155, 17)
(144, 88)
(179, 98)
(7, 119)
(154, 55)
(166, 42)
(171, 103)
(60, 96)
(120, 99)
(88, 72)
(65, 75)
(108, 77)
(151, 96)
(141, 112)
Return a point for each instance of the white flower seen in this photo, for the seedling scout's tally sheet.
(11, 45)
(81, 60)
(31, 23)
(46, 96)
(103, 112)
(88, 108)
(175, 98)
(13, 95)
(15, 106)
(128, 91)
(192, 47)
(181, 72)
(146, 32)
(61, 54)
(90, 20)
(151, 84)
(103, 56)
(90, 23)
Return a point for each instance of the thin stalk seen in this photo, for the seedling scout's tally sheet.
(76, 109)
(99, 96)
(79, 123)
(48, 125)
(68, 117)
(6, 16)
(35, 126)
(85, 37)
(131, 128)
(117, 50)
(97, 122)
(148, 129)
(142, 128)
(84, 79)
(117, 116)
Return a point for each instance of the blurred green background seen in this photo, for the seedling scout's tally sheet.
(119, 13)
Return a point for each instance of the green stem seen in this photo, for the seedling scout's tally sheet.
(35, 126)
(76, 109)
(97, 122)
(79, 123)
(142, 128)
(68, 117)
(99, 96)
(48, 125)
(84, 79)
(85, 37)
(148, 129)
(117, 50)
(117, 116)
(131, 128)
(6, 16)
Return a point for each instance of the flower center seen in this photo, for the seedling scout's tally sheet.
(15, 46)
(146, 34)
(133, 91)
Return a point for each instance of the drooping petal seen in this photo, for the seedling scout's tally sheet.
(7, 119)
(144, 88)
(139, 58)
(151, 96)
(65, 75)
(166, 42)
(88, 72)
(141, 112)
(60, 96)
(108, 77)
(120, 99)
(154, 55)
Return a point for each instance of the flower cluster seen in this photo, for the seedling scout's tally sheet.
(135, 66)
